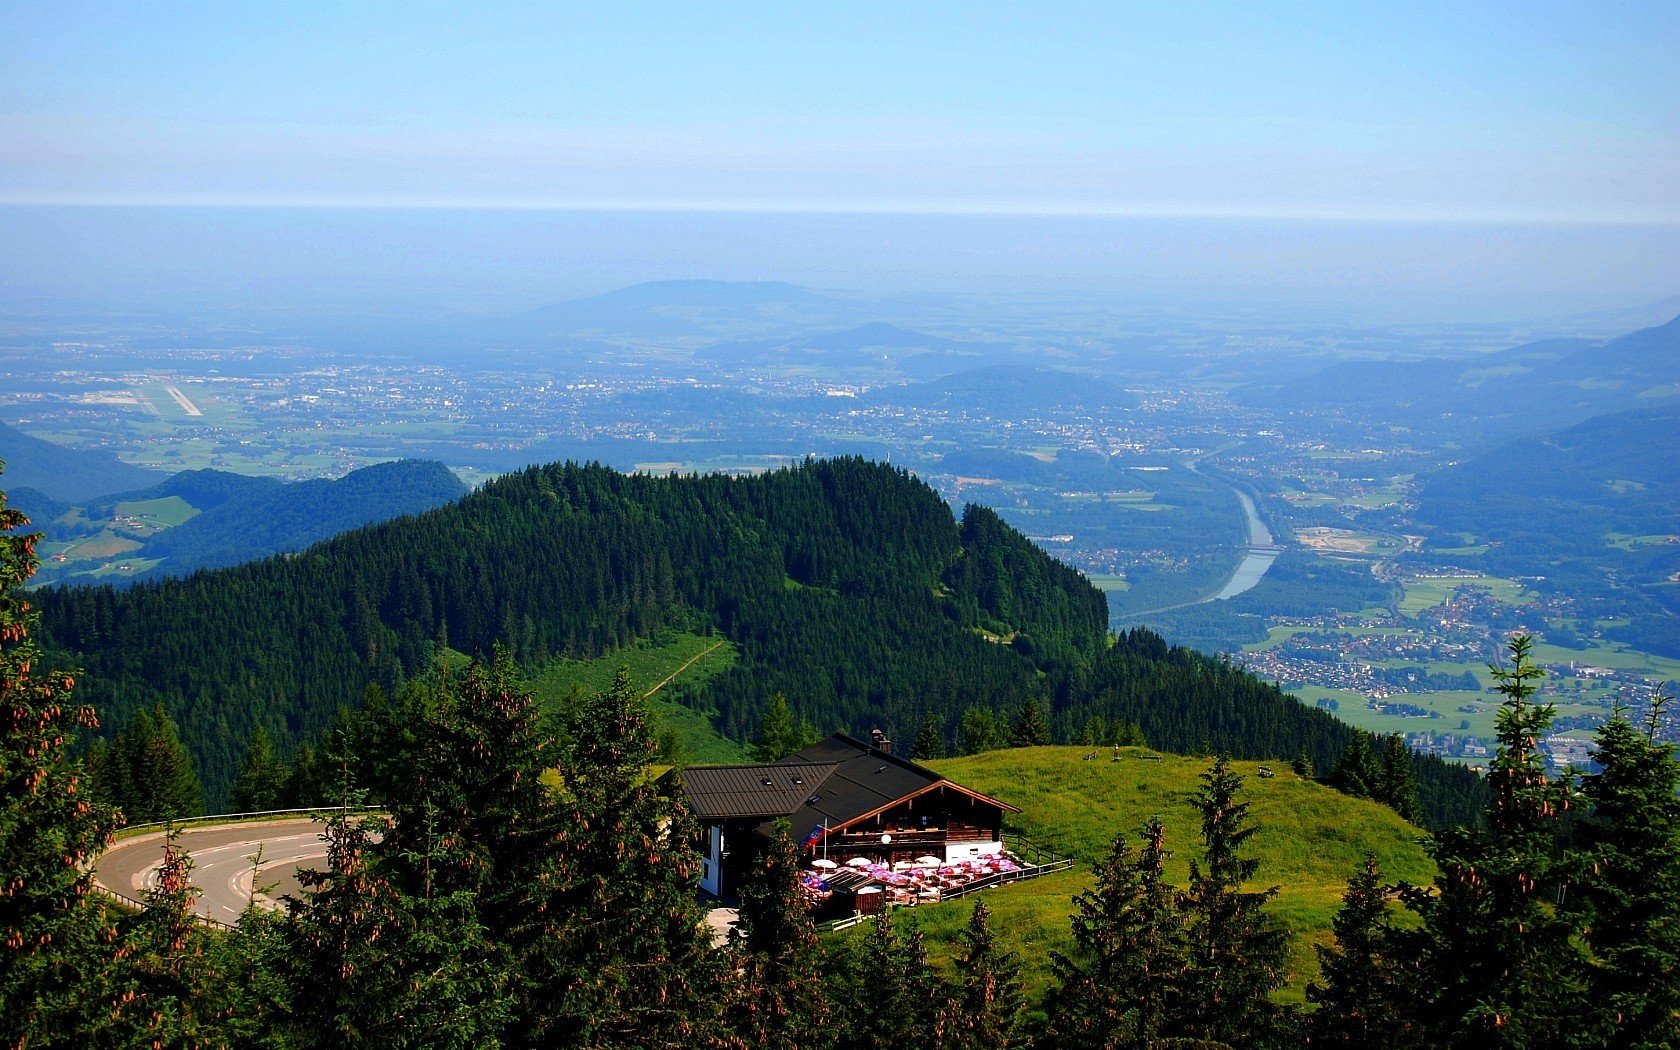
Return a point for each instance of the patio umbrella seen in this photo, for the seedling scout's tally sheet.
(929, 861)
(858, 862)
(902, 865)
(823, 863)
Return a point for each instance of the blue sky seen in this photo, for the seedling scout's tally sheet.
(1478, 112)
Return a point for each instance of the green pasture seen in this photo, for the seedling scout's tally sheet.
(1427, 592)
(158, 514)
(1610, 654)
(1310, 840)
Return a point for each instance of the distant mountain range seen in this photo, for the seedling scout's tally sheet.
(668, 308)
(1527, 389)
(1592, 509)
(876, 345)
(65, 474)
(227, 518)
(1010, 392)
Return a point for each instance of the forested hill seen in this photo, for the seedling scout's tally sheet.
(65, 474)
(845, 584)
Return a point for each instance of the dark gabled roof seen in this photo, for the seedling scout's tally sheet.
(751, 791)
(829, 784)
(864, 782)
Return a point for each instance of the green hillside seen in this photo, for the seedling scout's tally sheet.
(1311, 839)
(848, 586)
(1589, 510)
(201, 519)
(669, 671)
(62, 473)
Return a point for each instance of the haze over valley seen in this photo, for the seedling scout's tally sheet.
(1408, 514)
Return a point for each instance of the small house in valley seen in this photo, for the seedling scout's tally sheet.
(858, 813)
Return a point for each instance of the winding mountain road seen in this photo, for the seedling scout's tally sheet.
(224, 867)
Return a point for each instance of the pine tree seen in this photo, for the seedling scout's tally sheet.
(147, 773)
(979, 731)
(781, 732)
(1497, 964)
(1302, 765)
(985, 1009)
(1625, 899)
(261, 784)
(893, 989)
(1396, 785)
(253, 998)
(1357, 773)
(1130, 735)
(169, 995)
(779, 1000)
(1031, 727)
(1356, 993)
(1237, 951)
(1123, 986)
(930, 742)
(56, 942)
(371, 965)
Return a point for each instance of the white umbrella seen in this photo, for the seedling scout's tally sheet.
(823, 863)
(858, 862)
(902, 865)
(930, 859)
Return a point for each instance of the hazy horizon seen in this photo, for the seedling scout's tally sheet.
(263, 263)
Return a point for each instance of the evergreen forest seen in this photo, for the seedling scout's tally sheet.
(848, 587)
(529, 882)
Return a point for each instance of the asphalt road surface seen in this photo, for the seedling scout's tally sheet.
(223, 866)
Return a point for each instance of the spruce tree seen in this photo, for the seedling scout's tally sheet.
(1031, 727)
(261, 784)
(1356, 994)
(1497, 964)
(1236, 950)
(779, 1000)
(1123, 986)
(930, 742)
(1625, 899)
(372, 965)
(57, 948)
(781, 732)
(1396, 785)
(979, 731)
(1357, 773)
(167, 992)
(1302, 765)
(893, 988)
(147, 773)
(985, 1008)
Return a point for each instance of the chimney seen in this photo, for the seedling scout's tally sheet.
(878, 740)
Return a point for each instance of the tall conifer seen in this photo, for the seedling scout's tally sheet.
(1237, 951)
(1498, 964)
(56, 943)
(1629, 868)
(986, 1005)
(1356, 993)
(779, 1000)
(1123, 986)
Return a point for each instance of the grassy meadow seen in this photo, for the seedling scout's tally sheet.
(665, 670)
(1311, 839)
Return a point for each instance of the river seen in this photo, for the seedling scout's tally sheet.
(1261, 553)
